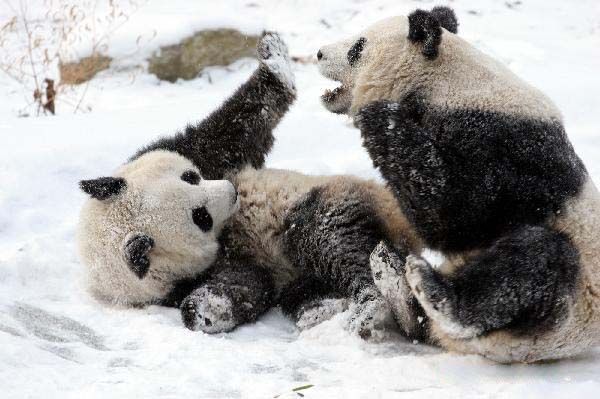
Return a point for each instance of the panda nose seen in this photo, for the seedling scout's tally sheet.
(319, 55)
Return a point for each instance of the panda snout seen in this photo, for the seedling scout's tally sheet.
(319, 55)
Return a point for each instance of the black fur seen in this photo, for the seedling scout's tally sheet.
(301, 292)
(136, 251)
(333, 239)
(446, 18)
(237, 134)
(181, 289)
(249, 287)
(202, 219)
(524, 283)
(466, 177)
(103, 187)
(356, 51)
(191, 177)
(424, 28)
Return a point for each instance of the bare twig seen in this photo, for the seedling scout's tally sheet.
(31, 50)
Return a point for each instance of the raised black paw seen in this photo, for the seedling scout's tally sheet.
(273, 53)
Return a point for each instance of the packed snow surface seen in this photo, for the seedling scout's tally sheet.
(56, 342)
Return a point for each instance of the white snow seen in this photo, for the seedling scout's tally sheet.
(56, 342)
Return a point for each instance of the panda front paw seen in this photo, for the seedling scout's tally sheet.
(273, 53)
(436, 297)
(207, 311)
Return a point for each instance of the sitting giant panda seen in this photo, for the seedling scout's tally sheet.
(483, 169)
(194, 221)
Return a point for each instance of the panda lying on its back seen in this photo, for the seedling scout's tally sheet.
(483, 169)
(163, 231)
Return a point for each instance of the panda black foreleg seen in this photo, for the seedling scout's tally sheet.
(411, 162)
(330, 234)
(240, 132)
(231, 294)
(524, 283)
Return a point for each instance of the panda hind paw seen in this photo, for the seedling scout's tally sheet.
(319, 311)
(436, 297)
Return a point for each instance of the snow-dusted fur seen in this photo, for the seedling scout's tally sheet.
(391, 67)
(482, 167)
(194, 221)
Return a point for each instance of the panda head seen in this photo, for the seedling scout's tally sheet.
(370, 63)
(154, 222)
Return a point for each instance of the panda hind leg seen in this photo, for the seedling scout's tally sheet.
(309, 301)
(524, 284)
(330, 234)
(232, 294)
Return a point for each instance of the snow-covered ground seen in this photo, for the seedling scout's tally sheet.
(55, 341)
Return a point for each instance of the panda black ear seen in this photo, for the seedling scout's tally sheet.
(424, 28)
(446, 18)
(103, 187)
(136, 250)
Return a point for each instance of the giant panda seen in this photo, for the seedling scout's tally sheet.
(195, 221)
(481, 165)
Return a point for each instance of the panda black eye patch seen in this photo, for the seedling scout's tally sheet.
(202, 219)
(356, 50)
(191, 177)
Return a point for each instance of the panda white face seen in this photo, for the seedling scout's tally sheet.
(342, 61)
(156, 221)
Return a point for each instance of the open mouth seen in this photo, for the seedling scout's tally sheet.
(337, 100)
(330, 96)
